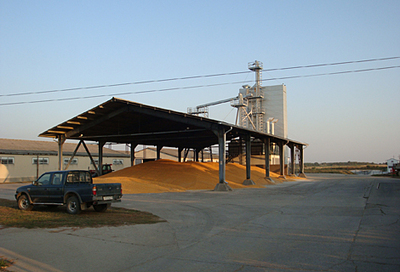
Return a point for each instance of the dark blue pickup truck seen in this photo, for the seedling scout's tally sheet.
(74, 189)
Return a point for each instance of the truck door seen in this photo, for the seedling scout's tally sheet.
(85, 186)
(55, 190)
(39, 192)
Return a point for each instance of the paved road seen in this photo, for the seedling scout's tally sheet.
(328, 223)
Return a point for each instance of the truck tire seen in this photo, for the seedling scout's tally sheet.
(73, 205)
(23, 203)
(101, 207)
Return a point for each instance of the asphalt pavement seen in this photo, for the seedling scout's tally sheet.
(326, 223)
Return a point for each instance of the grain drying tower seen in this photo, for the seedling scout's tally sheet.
(262, 108)
(258, 108)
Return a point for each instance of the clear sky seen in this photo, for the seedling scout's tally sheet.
(54, 45)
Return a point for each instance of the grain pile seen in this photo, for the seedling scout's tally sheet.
(170, 176)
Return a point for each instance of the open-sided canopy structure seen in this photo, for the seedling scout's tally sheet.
(123, 121)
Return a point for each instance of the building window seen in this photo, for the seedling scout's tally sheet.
(73, 162)
(41, 160)
(95, 161)
(7, 160)
(118, 162)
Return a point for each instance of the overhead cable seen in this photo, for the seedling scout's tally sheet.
(194, 77)
(195, 87)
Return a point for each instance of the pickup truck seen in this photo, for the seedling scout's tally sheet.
(73, 189)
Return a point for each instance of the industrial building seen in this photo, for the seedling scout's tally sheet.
(24, 160)
(260, 130)
(260, 108)
(150, 154)
(391, 164)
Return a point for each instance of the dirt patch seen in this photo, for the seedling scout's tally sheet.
(170, 176)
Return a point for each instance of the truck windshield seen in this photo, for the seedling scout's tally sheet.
(79, 177)
(44, 179)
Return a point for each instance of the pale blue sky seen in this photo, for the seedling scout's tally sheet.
(47, 45)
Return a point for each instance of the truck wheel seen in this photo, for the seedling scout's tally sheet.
(100, 207)
(73, 205)
(23, 203)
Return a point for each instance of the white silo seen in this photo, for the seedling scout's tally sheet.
(265, 108)
(263, 103)
(274, 106)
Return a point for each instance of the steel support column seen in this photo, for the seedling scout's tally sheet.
(101, 144)
(133, 146)
(282, 159)
(180, 154)
(292, 160)
(73, 154)
(301, 162)
(240, 151)
(267, 151)
(159, 147)
(186, 154)
(248, 180)
(222, 185)
(90, 157)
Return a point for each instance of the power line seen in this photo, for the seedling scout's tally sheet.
(194, 77)
(331, 64)
(338, 73)
(196, 86)
(123, 84)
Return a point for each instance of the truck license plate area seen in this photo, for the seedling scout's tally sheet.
(108, 197)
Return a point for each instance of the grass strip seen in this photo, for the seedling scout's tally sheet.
(4, 263)
(55, 217)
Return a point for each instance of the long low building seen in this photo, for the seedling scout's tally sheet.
(25, 160)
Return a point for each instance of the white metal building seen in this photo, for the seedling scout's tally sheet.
(268, 114)
(273, 107)
(150, 154)
(24, 160)
(390, 163)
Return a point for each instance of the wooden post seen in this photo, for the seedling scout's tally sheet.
(37, 166)
(61, 141)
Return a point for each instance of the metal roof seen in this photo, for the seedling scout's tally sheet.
(123, 121)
